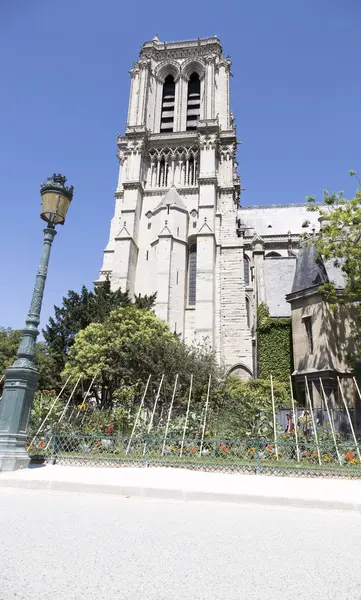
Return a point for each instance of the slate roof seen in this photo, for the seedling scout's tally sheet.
(312, 271)
(278, 278)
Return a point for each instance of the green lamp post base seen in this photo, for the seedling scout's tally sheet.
(18, 393)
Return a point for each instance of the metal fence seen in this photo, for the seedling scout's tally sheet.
(242, 455)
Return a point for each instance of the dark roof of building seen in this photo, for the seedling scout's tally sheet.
(312, 271)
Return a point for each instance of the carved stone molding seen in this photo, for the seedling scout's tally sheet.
(224, 62)
(167, 67)
(227, 151)
(177, 50)
(208, 141)
(210, 180)
(132, 185)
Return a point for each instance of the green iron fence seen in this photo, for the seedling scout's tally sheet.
(247, 455)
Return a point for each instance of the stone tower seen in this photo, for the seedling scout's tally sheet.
(174, 229)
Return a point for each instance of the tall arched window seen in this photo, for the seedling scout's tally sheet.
(246, 270)
(167, 116)
(192, 274)
(193, 101)
(163, 172)
(248, 309)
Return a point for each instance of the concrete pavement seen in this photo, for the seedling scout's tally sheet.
(69, 546)
(182, 484)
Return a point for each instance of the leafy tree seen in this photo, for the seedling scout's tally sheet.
(9, 344)
(80, 310)
(340, 241)
(129, 346)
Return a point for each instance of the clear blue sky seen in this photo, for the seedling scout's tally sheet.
(296, 95)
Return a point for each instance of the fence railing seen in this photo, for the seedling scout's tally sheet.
(241, 455)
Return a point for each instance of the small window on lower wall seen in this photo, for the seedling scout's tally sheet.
(307, 321)
(192, 274)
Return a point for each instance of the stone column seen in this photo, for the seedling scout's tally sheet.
(258, 261)
(209, 88)
(144, 66)
(134, 95)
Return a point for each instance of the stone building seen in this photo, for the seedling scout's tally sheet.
(179, 228)
(321, 335)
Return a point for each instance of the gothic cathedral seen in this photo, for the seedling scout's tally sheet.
(178, 228)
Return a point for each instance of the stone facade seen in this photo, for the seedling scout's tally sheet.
(322, 340)
(178, 227)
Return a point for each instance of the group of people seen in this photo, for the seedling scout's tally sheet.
(303, 422)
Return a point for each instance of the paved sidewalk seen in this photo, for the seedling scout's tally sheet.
(181, 484)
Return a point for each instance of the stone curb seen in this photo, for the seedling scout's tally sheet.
(179, 494)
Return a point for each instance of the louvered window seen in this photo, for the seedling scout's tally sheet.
(193, 101)
(167, 117)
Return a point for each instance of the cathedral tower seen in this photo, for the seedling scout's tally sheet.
(174, 226)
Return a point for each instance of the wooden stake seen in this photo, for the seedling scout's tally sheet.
(349, 418)
(313, 421)
(85, 397)
(49, 413)
(294, 420)
(170, 413)
(331, 422)
(138, 413)
(153, 412)
(359, 395)
(274, 418)
(205, 415)
(187, 414)
(67, 404)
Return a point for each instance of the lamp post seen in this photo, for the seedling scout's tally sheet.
(22, 377)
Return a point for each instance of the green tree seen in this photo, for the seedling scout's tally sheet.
(340, 242)
(9, 344)
(120, 352)
(80, 310)
(132, 344)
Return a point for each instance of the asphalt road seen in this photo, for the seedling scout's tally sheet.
(57, 545)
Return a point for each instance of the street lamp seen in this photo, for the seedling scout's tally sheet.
(22, 377)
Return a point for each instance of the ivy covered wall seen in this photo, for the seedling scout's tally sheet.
(274, 342)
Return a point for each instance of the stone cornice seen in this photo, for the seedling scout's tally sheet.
(132, 185)
(312, 291)
(188, 49)
(174, 137)
(265, 206)
(226, 189)
(207, 180)
(133, 131)
(162, 191)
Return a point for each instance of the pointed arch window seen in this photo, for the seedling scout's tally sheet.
(192, 274)
(193, 101)
(246, 270)
(163, 172)
(168, 99)
(248, 311)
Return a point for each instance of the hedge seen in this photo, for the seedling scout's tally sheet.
(274, 346)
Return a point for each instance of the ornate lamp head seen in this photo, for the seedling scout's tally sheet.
(56, 198)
